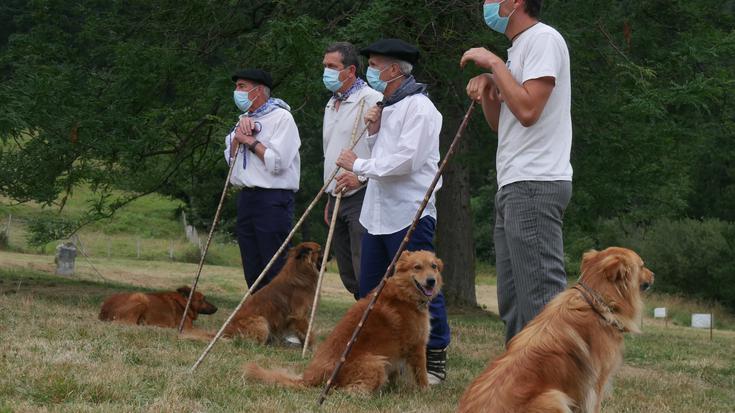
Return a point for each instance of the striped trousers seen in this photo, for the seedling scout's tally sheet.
(529, 248)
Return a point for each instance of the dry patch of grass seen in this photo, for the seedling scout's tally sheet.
(57, 356)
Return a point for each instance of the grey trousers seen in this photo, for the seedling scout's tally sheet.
(529, 248)
(347, 238)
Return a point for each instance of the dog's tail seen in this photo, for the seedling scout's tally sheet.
(279, 377)
(551, 400)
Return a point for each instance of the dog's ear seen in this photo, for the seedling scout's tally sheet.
(440, 264)
(616, 268)
(185, 291)
(303, 252)
(402, 264)
(587, 259)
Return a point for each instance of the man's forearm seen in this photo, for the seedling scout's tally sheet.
(491, 110)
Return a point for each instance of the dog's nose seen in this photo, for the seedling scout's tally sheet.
(430, 282)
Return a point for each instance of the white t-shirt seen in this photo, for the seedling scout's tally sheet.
(540, 152)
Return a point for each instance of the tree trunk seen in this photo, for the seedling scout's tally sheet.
(454, 234)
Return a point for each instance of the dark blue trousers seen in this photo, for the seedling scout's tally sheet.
(264, 218)
(377, 253)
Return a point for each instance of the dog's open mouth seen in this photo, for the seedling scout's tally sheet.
(426, 290)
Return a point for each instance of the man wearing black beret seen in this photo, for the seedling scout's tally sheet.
(404, 140)
(267, 168)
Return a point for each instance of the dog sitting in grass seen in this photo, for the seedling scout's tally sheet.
(282, 307)
(563, 359)
(157, 309)
(395, 334)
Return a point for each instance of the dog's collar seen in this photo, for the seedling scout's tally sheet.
(598, 304)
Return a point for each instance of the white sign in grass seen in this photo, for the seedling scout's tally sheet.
(702, 320)
(659, 312)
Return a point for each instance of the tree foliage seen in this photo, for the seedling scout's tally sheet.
(134, 97)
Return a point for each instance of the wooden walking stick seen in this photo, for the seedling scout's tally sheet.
(328, 244)
(273, 259)
(389, 271)
(321, 273)
(233, 157)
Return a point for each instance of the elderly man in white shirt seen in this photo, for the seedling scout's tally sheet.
(267, 168)
(404, 138)
(343, 117)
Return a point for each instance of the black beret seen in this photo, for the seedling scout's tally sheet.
(396, 48)
(255, 75)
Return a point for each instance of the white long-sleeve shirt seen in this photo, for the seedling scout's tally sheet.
(338, 127)
(403, 162)
(282, 166)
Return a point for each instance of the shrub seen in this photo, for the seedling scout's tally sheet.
(691, 257)
(48, 228)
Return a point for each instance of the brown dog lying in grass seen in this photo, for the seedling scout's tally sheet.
(396, 333)
(564, 357)
(282, 307)
(156, 309)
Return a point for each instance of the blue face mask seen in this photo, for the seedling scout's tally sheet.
(242, 100)
(374, 80)
(493, 19)
(331, 79)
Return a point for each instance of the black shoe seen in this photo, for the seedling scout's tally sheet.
(436, 365)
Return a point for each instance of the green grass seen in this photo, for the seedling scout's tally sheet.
(57, 356)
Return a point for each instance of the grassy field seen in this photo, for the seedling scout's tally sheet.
(56, 356)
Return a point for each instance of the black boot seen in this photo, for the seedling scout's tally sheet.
(436, 365)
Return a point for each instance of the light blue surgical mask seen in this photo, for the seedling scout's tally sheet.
(373, 77)
(493, 19)
(374, 80)
(331, 79)
(242, 99)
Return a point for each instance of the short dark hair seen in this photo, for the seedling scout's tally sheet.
(533, 8)
(348, 52)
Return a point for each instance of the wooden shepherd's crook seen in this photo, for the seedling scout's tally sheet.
(273, 259)
(209, 238)
(402, 247)
(328, 244)
(322, 269)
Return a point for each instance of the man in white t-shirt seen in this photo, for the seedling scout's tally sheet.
(527, 100)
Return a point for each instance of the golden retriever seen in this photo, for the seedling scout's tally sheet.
(395, 334)
(562, 360)
(281, 307)
(157, 309)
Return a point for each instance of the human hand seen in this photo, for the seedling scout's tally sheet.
(372, 119)
(243, 138)
(347, 181)
(246, 125)
(481, 57)
(346, 159)
(482, 85)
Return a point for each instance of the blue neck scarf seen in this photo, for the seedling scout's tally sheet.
(359, 84)
(408, 87)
